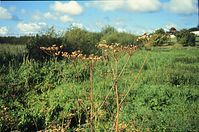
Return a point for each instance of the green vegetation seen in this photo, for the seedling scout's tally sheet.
(197, 41)
(110, 36)
(186, 38)
(154, 90)
(11, 53)
(160, 37)
(53, 94)
(80, 39)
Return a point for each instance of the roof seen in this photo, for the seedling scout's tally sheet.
(172, 28)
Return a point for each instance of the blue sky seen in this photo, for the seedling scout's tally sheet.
(134, 16)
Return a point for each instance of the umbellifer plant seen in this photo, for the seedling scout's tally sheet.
(109, 52)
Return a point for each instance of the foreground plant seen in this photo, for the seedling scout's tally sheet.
(55, 51)
(114, 51)
(109, 53)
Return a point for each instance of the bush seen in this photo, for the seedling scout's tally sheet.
(160, 31)
(108, 30)
(80, 39)
(47, 39)
(119, 37)
(160, 37)
(186, 38)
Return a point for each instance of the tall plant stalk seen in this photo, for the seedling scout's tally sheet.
(117, 97)
(114, 51)
(117, 112)
(91, 96)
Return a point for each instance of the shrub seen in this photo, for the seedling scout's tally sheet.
(186, 38)
(80, 39)
(119, 37)
(160, 37)
(47, 39)
(160, 31)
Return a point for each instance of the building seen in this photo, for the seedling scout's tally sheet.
(172, 30)
(195, 32)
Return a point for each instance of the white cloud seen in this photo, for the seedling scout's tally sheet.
(71, 7)
(49, 15)
(143, 5)
(175, 6)
(109, 5)
(132, 5)
(38, 16)
(31, 27)
(79, 25)
(121, 29)
(3, 30)
(5, 14)
(182, 6)
(66, 18)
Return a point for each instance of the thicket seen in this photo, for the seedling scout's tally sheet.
(186, 38)
(80, 39)
(77, 39)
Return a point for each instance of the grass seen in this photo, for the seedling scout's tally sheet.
(55, 94)
(197, 40)
(10, 52)
(12, 49)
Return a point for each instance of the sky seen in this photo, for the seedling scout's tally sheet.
(133, 16)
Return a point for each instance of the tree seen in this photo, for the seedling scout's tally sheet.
(80, 39)
(159, 37)
(47, 39)
(119, 37)
(185, 38)
(160, 31)
(108, 30)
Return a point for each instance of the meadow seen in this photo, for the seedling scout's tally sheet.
(157, 90)
(11, 53)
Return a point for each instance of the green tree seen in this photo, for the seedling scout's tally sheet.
(159, 37)
(47, 39)
(108, 30)
(160, 31)
(80, 39)
(186, 38)
(119, 37)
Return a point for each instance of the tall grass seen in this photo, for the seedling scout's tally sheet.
(55, 94)
(10, 52)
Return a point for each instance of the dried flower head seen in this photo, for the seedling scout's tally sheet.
(56, 51)
(118, 48)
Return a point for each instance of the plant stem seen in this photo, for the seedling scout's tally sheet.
(117, 97)
(117, 103)
(115, 81)
(91, 96)
(135, 79)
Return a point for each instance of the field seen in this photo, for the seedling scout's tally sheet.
(157, 91)
(11, 52)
